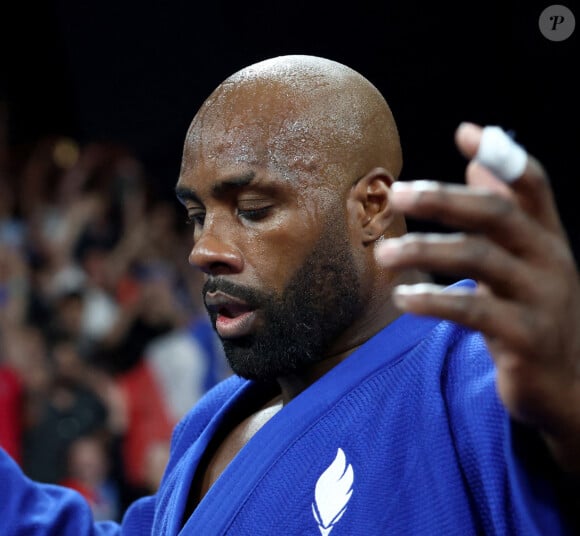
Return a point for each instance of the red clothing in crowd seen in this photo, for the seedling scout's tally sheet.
(149, 420)
(11, 413)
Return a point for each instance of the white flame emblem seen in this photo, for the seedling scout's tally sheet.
(332, 493)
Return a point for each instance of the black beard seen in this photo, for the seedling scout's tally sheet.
(319, 303)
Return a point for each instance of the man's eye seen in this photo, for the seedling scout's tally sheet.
(254, 214)
(195, 219)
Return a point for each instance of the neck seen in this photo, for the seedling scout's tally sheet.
(293, 384)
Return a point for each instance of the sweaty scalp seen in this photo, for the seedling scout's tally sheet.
(301, 115)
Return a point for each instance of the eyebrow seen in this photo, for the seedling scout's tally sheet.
(234, 183)
(217, 190)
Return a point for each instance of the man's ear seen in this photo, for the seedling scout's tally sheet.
(369, 204)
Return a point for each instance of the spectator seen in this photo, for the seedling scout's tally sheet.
(88, 471)
(95, 303)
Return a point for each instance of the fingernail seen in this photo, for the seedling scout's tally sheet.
(418, 288)
(388, 250)
(469, 133)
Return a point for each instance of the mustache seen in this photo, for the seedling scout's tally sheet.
(253, 297)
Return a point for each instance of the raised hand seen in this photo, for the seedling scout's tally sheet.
(527, 304)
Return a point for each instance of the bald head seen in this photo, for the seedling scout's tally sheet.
(301, 116)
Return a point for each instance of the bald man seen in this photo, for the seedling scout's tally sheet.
(365, 400)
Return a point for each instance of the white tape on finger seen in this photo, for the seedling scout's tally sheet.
(501, 154)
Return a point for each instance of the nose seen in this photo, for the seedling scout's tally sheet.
(215, 256)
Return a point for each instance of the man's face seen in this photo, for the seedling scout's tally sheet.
(270, 233)
(281, 279)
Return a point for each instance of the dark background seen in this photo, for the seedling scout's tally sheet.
(136, 72)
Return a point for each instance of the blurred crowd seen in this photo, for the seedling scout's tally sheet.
(104, 343)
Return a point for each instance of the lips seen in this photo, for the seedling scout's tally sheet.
(233, 316)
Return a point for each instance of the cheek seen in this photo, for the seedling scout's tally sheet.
(276, 253)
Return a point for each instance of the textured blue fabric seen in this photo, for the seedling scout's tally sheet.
(407, 436)
(30, 509)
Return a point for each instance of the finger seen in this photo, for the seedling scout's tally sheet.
(473, 209)
(526, 177)
(480, 311)
(479, 176)
(461, 255)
